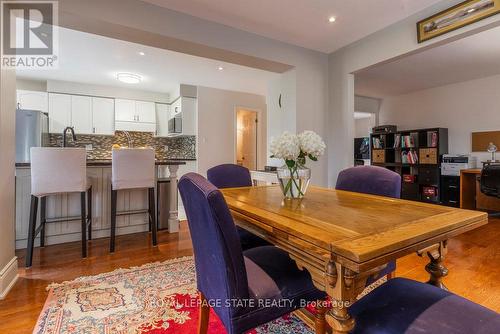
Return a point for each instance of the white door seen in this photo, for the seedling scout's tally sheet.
(145, 111)
(103, 115)
(59, 112)
(32, 100)
(162, 116)
(125, 110)
(81, 114)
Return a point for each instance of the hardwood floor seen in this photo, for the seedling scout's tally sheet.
(473, 261)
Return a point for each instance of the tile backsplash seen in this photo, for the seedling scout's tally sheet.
(182, 147)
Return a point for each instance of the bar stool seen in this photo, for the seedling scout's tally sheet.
(57, 171)
(133, 169)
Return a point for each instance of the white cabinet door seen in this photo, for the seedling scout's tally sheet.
(162, 117)
(59, 112)
(103, 115)
(189, 116)
(176, 107)
(125, 110)
(81, 114)
(32, 100)
(145, 111)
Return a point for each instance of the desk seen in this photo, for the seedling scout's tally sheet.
(471, 196)
(343, 238)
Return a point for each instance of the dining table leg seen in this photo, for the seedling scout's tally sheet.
(343, 286)
(435, 267)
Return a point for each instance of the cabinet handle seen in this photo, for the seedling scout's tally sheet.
(93, 130)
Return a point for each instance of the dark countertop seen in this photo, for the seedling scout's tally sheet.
(107, 163)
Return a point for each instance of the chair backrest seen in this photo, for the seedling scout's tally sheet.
(490, 180)
(220, 268)
(370, 180)
(133, 168)
(229, 176)
(58, 170)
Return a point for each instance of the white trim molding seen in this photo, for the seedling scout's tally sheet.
(8, 277)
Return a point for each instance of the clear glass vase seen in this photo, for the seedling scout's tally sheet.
(294, 181)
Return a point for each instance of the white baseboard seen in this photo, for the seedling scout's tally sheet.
(8, 277)
(77, 236)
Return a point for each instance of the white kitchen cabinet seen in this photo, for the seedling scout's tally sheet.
(131, 115)
(125, 110)
(59, 112)
(103, 115)
(146, 112)
(32, 100)
(81, 114)
(187, 109)
(162, 117)
(189, 116)
(176, 107)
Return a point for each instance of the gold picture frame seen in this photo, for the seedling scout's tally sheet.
(456, 17)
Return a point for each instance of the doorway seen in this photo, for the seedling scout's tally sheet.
(246, 138)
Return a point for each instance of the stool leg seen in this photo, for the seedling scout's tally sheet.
(89, 215)
(83, 205)
(157, 202)
(43, 219)
(152, 214)
(31, 232)
(113, 220)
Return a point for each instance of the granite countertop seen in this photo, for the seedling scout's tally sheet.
(107, 162)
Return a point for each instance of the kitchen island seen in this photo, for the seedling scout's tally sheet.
(64, 210)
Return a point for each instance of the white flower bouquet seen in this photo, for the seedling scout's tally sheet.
(294, 150)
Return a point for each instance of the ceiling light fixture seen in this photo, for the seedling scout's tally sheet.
(332, 19)
(129, 78)
(220, 68)
(142, 53)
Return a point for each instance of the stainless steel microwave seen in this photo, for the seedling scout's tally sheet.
(175, 126)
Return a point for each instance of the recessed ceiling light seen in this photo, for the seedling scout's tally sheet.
(220, 68)
(332, 19)
(129, 78)
(142, 53)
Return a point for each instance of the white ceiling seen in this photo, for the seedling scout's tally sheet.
(92, 59)
(302, 22)
(473, 57)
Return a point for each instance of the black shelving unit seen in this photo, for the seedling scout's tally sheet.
(416, 155)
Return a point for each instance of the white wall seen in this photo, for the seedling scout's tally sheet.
(463, 108)
(363, 126)
(390, 43)
(8, 260)
(139, 22)
(217, 126)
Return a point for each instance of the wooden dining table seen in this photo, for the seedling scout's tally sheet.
(343, 238)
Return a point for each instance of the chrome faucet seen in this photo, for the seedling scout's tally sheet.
(72, 130)
(129, 138)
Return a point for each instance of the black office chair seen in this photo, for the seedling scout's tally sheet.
(490, 182)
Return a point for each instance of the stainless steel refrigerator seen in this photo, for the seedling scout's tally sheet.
(32, 130)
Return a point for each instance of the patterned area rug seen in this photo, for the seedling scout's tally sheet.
(156, 298)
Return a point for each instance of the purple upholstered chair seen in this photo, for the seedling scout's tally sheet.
(404, 306)
(234, 176)
(376, 181)
(224, 272)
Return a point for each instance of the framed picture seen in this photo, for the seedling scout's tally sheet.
(456, 17)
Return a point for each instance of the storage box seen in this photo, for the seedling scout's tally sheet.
(378, 156)
(428, 156)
